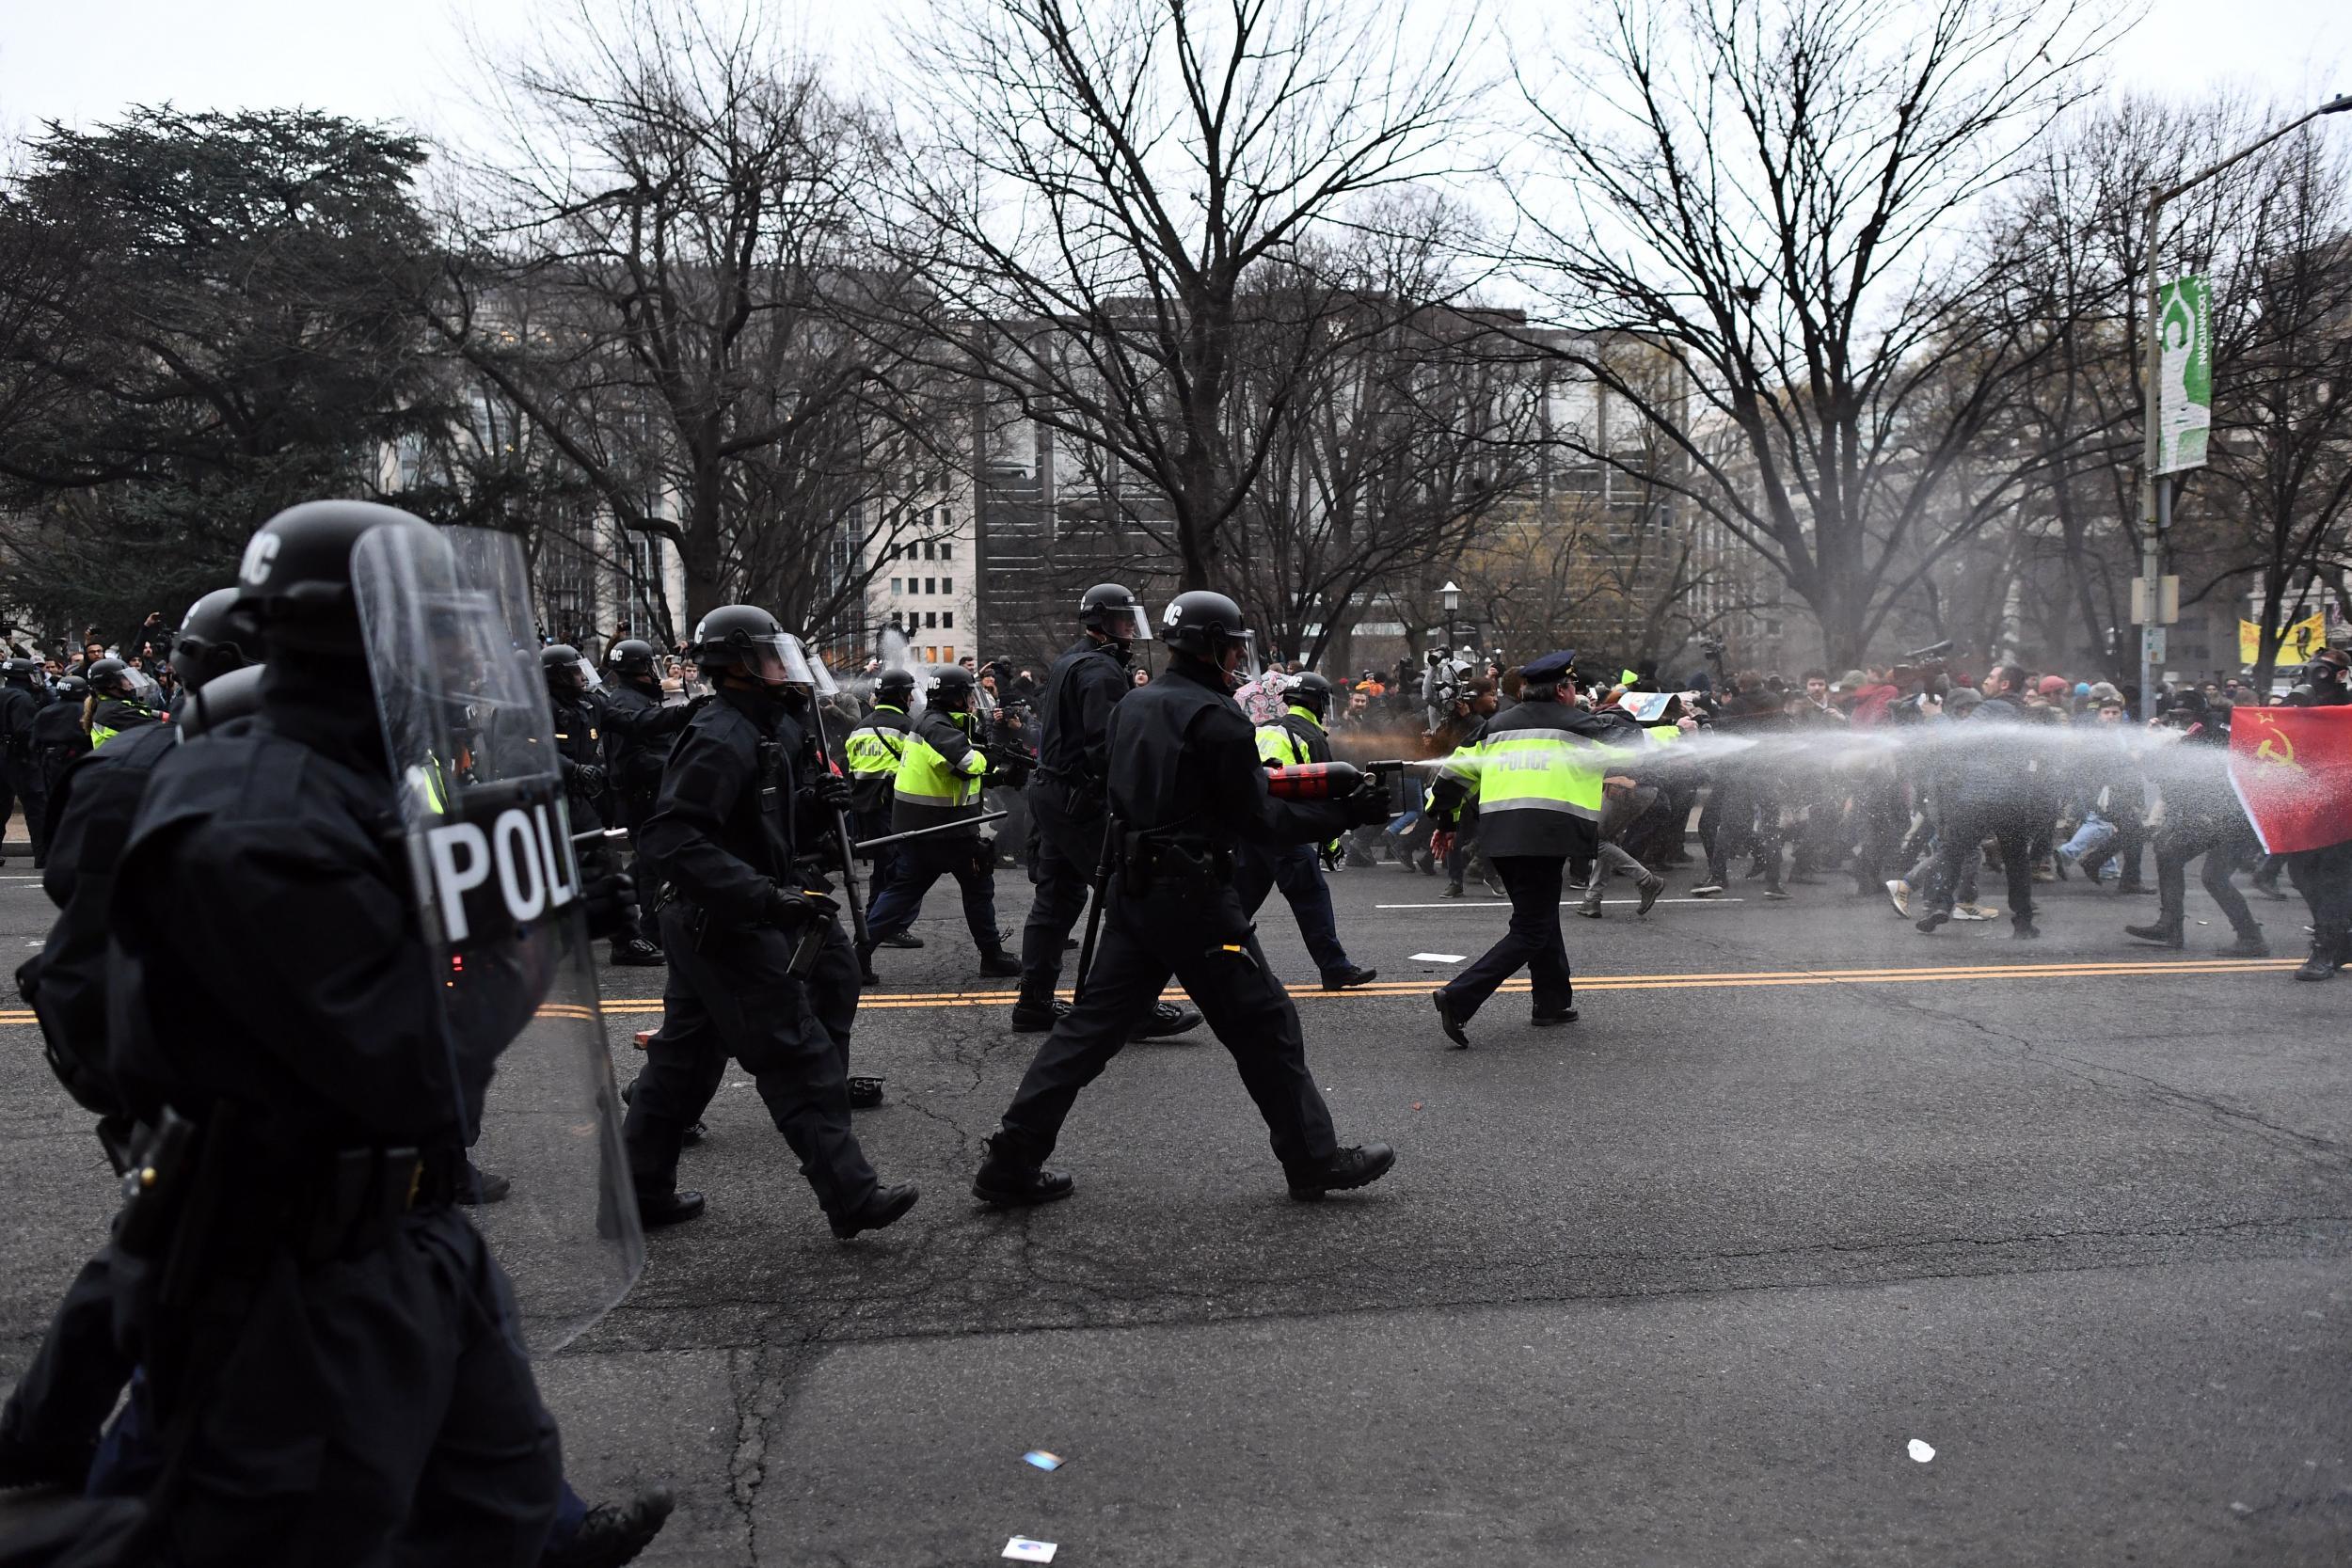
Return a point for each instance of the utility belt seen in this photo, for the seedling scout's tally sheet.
(200, 1203)
(1150, 860)
(1082, 794)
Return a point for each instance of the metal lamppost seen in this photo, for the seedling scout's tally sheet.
(1450, 598)
(2156, 489)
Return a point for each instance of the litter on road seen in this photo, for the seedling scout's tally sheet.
(1022, 1549)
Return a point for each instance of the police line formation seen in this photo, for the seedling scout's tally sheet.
(362, 1107)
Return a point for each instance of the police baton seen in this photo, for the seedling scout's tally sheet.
(598, 835)
(1094, 904)
(935, 828)
(841, 839)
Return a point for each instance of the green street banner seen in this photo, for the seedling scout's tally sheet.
(2184, 374)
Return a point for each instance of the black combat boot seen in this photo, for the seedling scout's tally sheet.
(2166, 932)
(612, 1533)
(1007, 1181)
(887, 1207)
(1037, 1009)
(1350, 1167)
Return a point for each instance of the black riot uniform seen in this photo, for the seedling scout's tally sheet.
(1067, 802)
(1185, 789)
(578, 737)
(760, 969)
(50, 1428)
(318, 1311)
(58, 738)
(21, 698)
(638, 731)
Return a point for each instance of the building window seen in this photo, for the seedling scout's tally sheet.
(947, 552)
(946, 585)
(928, 549)
(931, 620)
(931, 585)
(946, 620)
(893, 585)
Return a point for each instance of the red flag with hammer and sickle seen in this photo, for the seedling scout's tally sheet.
(2292, 768)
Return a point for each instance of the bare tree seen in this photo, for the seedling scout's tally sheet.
(1769, 189)
(652, 284)
(1102, 193)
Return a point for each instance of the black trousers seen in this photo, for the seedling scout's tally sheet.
(1298, 870)
(374, 1411)
(1184, 933)
(1069, 849)
(1533, 942)
(2323, 878)
(734, 998)
(70, 1385)
(2226, 841)
(922, 862)
(648, 923)
(1967, 826)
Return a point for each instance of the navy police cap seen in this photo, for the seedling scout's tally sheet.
(1551, 667)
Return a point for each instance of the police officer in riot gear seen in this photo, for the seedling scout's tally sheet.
(21, 698)
(638, 731)
(939, 782)
(1067, 802)
(579, 733)
(50, 1427)
(1186, 790)
(760, 969)
(1295, 739)
(310, 1299)
(58, 738)
(872, 753)
(117, 700)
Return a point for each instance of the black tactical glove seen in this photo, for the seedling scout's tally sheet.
(1369, 807)
(611, 901)
(587, 778)
(791, 908)
(831, 791)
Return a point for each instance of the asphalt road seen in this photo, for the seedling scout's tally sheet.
(1680, 1283)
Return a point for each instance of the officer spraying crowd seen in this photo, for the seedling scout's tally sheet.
(1185, 791)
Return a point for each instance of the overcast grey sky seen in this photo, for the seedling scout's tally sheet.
(83, 62)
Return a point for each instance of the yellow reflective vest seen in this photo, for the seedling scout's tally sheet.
(872, 753)
(938, 775)
(1537, 775)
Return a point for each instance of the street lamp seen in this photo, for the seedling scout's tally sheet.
(2155, 491)
(1450, 598)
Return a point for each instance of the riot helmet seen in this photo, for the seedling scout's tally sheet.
(1311, 692)
(296, 574)
(21, 669)
(631, 656)
(895, 686)
(216, 636)
(230, 694)
(951, 689)
(744, 639)
(568, 675)
(1115, 613)
(111, 678)
(1208, 626)
(72, 688)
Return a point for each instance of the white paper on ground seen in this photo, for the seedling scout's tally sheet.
(1439, 958)
(1920, 1451)
(1022, 1549)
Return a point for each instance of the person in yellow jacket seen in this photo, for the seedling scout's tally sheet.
(1538, 776)
(939, 781)
(1298, 737)
(872, 753)
(116, 702)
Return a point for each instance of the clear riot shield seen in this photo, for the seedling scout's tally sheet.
(456, 665)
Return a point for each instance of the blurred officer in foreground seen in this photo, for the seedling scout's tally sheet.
(1185, 791)
(638, 731)
(331, 1360)
(938, 786)
(21, 698)
(1067, 802)
(872, 753)
(1295, 739)
(1538, 776)
(760, 969)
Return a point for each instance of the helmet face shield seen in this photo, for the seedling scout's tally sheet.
(775, 659)
(1247, 665)
(821, 677)
(1124, 623)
